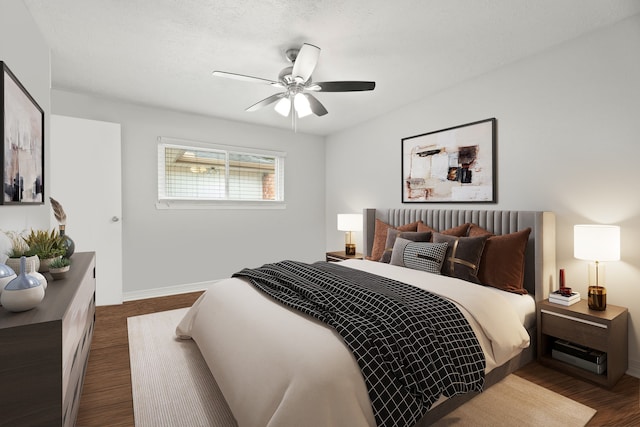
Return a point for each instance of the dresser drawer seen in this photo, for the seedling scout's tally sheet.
(575, 329)
(74, 327)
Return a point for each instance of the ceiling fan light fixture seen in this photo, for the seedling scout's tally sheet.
(283, 106)
(297, 98)
(301, 104)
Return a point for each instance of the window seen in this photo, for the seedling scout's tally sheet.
(192, 175)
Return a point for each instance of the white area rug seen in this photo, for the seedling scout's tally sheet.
(515, 401)
(172, 386)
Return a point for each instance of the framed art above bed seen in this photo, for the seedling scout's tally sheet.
(453, 165)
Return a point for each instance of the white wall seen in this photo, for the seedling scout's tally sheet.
(165, 248)
(25, 52)
(568, 142)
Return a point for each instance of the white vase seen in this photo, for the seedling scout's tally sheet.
(22, 293)
(31, 271)
(6, 275)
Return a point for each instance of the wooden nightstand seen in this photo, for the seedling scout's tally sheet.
(605, 331)
(341, 256)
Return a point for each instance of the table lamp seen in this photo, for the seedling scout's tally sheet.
(349, 223)
(596, 243)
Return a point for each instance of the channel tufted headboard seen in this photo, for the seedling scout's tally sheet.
(540, 258)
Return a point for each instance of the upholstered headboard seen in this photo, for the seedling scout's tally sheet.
(540, 257)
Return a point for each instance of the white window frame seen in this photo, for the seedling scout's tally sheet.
(166, 202)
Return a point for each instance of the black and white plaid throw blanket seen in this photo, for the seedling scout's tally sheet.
(411, 345)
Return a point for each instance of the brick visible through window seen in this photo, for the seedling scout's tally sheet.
(199, 172)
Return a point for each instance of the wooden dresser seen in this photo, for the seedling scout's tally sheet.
(44, 351)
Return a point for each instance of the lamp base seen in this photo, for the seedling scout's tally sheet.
(597, 298)
(350, 248)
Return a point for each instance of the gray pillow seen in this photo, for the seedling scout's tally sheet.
(425, 256)
(393, 234)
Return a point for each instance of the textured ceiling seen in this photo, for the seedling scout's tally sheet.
(162, 52)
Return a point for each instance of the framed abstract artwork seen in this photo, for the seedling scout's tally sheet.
(453, 165)
(22, 135)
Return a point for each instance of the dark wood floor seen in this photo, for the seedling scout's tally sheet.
(107, 400)
(106, 395)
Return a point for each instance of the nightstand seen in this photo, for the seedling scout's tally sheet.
(604, 331)
(341, 256)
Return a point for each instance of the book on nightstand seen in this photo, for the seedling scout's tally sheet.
(557, 298)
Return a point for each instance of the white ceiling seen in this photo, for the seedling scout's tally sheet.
(161, 52)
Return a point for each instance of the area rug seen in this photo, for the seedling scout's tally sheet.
(172, 386)
(515, 401)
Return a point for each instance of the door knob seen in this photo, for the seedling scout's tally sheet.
(115, 219)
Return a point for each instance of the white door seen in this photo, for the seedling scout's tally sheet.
(85, 177)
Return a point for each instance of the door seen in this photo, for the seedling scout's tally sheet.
(85, 177)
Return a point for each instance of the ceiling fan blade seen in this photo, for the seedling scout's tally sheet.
(267, 101)
(244, 78)
(352, 86)
(305, 62)
(317, 108)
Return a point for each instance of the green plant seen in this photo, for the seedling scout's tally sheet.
(18, 245)
(46, 244)
(60, 262)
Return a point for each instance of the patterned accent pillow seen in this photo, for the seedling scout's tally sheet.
(463, 256)
(425, 256)
(393, 234)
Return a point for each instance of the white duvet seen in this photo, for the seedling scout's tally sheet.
(278, 367)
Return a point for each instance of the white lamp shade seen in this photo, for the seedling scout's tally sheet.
(301, 104)
(596, 242)
(283, 106)
(350, 222)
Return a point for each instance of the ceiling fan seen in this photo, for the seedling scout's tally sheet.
(297, 98)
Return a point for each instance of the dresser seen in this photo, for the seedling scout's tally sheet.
(44, 351)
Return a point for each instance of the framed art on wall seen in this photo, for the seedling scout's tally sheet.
(453, 165)
(22, 135)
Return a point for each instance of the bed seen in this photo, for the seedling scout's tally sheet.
(279, 367)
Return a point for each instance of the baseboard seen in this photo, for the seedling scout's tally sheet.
(634, 368)
(167, 291)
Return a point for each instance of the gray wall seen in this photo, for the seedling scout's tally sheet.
(568, 141)
(25, 52)
(173, 247)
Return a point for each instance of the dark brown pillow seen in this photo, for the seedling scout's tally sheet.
(460, 231)
(463, 256)
(502, 262)
(476, 230)
(380, 237)
(393, 234)
(422, 227)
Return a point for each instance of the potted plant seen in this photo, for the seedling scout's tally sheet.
(58, 267)
(18, 249)
(48, 245)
